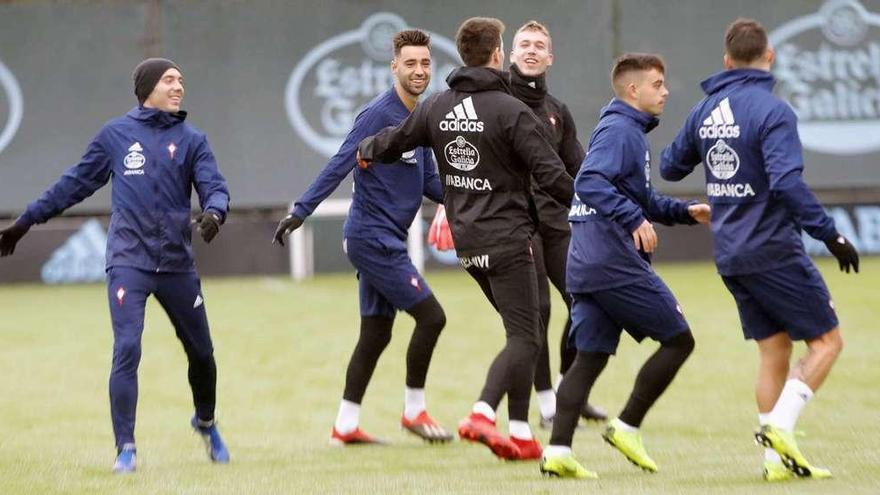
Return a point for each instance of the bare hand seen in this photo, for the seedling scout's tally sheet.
(700, 212)
(645, 237)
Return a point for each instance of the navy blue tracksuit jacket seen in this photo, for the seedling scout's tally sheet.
(747, 140)
(613, 196)
(386, 196)
(154, 160)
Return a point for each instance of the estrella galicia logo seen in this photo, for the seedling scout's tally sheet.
(331, 83)
(135, 160)
(12, 102)
(462, 154)
(722, 160)
(828, 68)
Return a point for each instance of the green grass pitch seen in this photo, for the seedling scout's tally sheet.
(281, 350)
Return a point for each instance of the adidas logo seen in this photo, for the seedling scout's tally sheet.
(198, 302)
(136, 147)
(80, 259)
(462, 118)
(720, 124)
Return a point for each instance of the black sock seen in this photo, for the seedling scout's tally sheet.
(656, 374)
(430, 321)
(375, 336)
(573, 393)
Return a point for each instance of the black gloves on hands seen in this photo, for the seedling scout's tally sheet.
(208, 225)
(287, 225)
(845, 253)
(10, 236)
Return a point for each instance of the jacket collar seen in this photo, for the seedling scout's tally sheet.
(644, 120)
(530, 89)
(154, 117)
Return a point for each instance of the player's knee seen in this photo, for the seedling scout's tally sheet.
(126, 352)
(531, 345)
(201, 356)
(830, 344)
(429, 314)
(375, 332)
(434, 320)
(544, 310)
(684, 343)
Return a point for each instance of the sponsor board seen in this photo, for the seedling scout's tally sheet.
(860, 224)
(828, 69)
(330, 84)
(80, 259)
(11, 106)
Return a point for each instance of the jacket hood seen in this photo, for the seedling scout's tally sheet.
(723, 79)
(474, 79)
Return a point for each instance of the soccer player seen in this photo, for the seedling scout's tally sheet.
(531, 56)
(154, 160)
(384, 203)
(488, 145)
(747, 139)
(609, 274)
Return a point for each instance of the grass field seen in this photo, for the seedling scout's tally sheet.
(282, 348)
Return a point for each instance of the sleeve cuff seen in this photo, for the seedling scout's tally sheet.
(633, 224)
(300, 211)
(25, 220)
(218, 213)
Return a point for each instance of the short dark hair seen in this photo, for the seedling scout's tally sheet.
(410, 37)
(632, 62)
(745, 40)
(477, 38)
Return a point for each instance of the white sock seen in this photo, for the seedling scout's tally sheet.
(520, 430)
(413, 402)
(620, 425)
(485, 409)
(348, 418)
(547, 403)
(557, 382)
(770, 455)
(556, 451)
(795, 395)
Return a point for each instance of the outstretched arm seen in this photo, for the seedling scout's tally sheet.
(78, 183)
(336, 170)
(389, 143)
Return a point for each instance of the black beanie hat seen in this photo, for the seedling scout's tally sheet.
(148, 73)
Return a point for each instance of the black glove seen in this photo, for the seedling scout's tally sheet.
(845, 253)
(287, 225)
(10, 236)
(209, 225)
